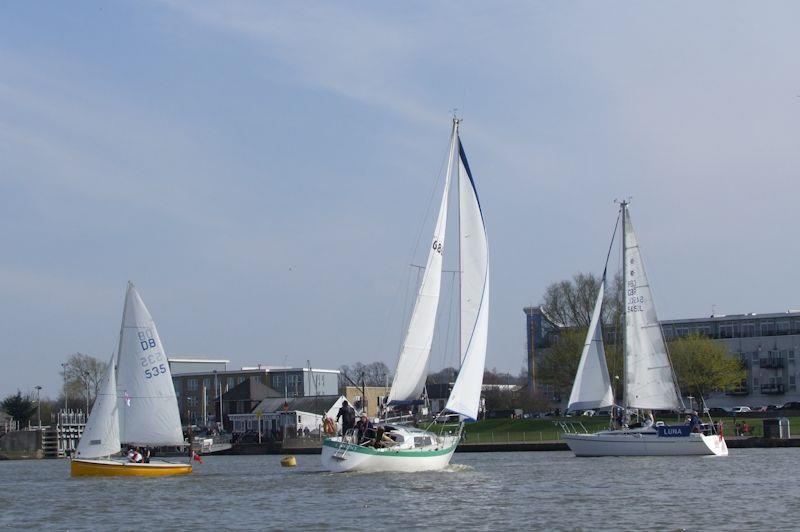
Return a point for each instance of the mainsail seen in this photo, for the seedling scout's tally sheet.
(649, 381)
(101, 434)
(412, 365)
(592, 386)
(148, 407)
(474, 262)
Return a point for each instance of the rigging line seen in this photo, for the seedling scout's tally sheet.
(611, 245)
(426, 213)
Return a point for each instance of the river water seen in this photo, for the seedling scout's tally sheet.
(752, 489)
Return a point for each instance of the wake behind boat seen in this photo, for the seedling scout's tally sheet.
(145, 413)
(395, 447)
(649, 380)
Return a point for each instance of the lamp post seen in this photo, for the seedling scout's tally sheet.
(86, 376)
(64, 372)
(38, 407)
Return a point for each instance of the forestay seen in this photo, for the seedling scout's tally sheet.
(592, 386)
(148, 407)
(412, 365)
(474, 261)
(649, 378)
(101, 434)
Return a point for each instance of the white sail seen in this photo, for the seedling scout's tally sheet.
(412, 365)
(649, 381)
(101, 434)
(592, 386)
(465, 397)
(147, 403)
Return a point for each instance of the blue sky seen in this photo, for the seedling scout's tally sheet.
(261, 171)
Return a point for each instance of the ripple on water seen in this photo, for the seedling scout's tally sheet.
(479, 491)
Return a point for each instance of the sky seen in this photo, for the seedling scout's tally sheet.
(264, 171)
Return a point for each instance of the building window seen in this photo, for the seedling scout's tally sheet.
(177, 384)
(240, 379)
(748, 330)
(767, 328)
(191, 401)
(783, 327)
(231, 382)
(797, 326)
(704, 330)
(682, 331)
(669, 334)
(755, 381)
(790, 356)
(792, 383)
(725, 331)
(207, 383)
(191, 385)
(754, 356)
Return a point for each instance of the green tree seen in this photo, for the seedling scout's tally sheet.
(703, 365)
(558, 366)
(20, 407)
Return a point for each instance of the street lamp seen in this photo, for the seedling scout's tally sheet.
(64, 372)
(86, 376)
(38, 407)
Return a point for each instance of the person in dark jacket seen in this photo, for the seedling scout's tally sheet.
(348, 415)
(364, 429)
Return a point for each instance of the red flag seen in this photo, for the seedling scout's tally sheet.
(197, 458)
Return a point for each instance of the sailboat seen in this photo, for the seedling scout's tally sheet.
(406, 448)
(649, 380)
(144, 414)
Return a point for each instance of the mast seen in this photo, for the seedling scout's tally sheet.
(623, 207)
(456, 122)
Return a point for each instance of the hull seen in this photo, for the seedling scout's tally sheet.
(113, 468)
(339, 458)
(622, 443)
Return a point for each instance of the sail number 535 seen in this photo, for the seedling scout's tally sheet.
(155, 371)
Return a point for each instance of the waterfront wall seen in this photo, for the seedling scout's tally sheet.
(21, 444)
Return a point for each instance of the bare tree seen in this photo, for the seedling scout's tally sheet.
(81, 370)
(372, 374)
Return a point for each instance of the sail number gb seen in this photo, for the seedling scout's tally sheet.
(437, 246)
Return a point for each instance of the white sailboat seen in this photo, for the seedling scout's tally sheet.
(649, 381)
(406, 448)
(136, 404)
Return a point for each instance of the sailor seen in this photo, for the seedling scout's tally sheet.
(348, 415)
(362, 427)
(134, 456)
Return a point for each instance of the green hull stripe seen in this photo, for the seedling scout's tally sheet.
(351, 448)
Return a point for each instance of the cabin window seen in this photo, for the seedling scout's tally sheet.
(422, 441)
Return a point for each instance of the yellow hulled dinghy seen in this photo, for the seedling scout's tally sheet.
(136, 404)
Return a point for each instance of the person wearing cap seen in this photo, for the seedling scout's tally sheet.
(362, 428)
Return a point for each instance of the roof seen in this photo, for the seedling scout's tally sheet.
(312, 403)
(199, 360)
(735, 317)
(250, 390)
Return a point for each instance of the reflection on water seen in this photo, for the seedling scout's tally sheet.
(750, 489)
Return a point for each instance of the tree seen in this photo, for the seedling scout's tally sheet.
(443, 376)
(372, 374)
(570, 303)
(703, 365)
(20, 407)
(558, 366)
(79, 370)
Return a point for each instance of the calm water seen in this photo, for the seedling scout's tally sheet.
(752, 489)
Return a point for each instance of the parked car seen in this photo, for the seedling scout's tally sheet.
(717, 412)
(740, 409)
(588, 413)
(791, 405)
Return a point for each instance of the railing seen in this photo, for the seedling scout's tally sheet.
(738, 391)
(771, 363)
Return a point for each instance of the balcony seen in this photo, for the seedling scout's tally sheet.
(772, 389)
(771, 363)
